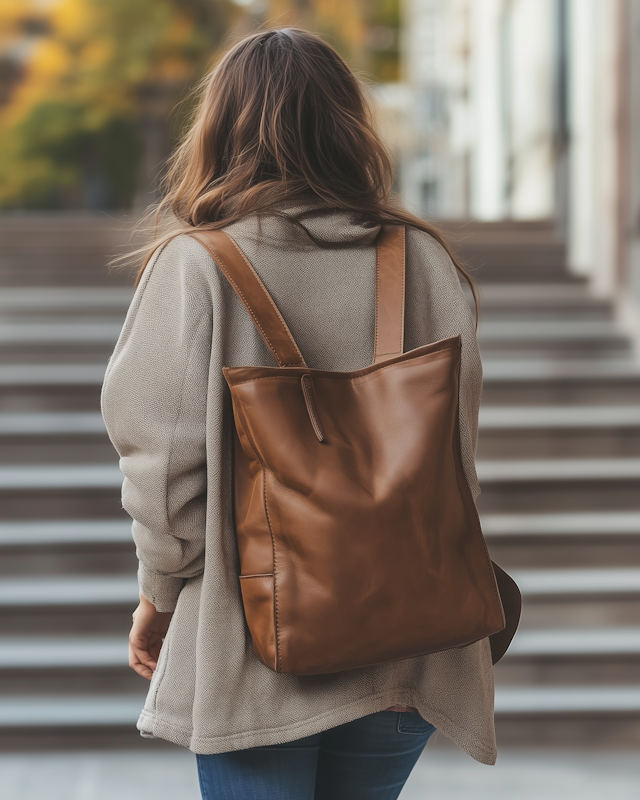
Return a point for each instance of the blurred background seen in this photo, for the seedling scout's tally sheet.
(515, 124)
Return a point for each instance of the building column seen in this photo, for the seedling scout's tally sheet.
(594, 81)
(487, 157)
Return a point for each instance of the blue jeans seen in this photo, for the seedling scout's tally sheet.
(367, 759)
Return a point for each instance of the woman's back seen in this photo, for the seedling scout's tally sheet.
(167, 409)
(326, 295)
(283, 156)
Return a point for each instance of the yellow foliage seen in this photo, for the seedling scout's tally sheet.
(12, 15)
(91, 58)
(81, 58)
(342, 22)
(345, 24)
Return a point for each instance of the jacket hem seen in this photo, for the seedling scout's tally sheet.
(154, 726)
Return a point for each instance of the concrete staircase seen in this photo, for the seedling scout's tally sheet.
(67, 563)
(559, 460)
(559, 464)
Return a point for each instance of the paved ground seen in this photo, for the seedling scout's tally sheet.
(526, 775)
(440, 775)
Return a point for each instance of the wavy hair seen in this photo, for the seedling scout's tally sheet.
(281, 120)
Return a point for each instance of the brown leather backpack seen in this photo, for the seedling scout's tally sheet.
(358, 538)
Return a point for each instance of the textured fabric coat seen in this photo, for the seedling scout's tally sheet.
(168, 412)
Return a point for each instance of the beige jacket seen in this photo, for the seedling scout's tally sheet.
(168, 413)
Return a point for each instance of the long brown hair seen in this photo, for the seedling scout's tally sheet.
(281, 120)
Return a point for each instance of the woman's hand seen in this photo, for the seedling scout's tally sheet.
(145, 640)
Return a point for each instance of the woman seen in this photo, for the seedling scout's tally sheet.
(282, 155)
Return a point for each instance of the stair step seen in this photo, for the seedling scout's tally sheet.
(60, 476)
(530, 301)
(568, 524)
(502, 388)
(54, 652)
(538, 700)
(554, 331)
(86, 532)
(572, 642)
(560, 370)
(82, 299)
(47, 333)
(80, 710)
(558, 485)
(515, 417)
(598, 581)
(52, 374)
(69, 423)
(558, 469)
(68, 590)
(550, 294)
(550, 338)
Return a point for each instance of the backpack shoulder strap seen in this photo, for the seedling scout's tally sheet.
(389, 322)
(390, 280)
(247, 285)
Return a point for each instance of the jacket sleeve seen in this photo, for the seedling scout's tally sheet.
(446, 312)
(154, 407)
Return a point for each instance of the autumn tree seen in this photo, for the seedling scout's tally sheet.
(91, 86)
(365, 32)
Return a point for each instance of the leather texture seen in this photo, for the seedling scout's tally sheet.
(390, 259)
(512, 605)
(358, 537)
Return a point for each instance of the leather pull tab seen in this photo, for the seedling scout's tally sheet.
(390, 269)
(307, 393)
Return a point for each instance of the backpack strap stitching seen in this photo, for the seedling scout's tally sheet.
(390, 293)
(223, 265)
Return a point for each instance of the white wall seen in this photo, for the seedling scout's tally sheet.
(489, 150)
(628, 298)
(530, 122)
(488, 144)
(512, 96)
(594, 172)
(492, 62)
(427, 168)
